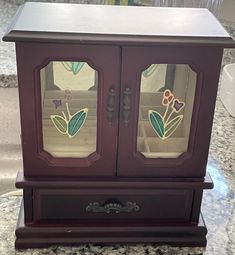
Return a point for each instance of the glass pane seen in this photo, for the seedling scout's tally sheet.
(69, 108)
(165, 112)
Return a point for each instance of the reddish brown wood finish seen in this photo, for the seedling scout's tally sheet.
(28, 205)
(160, 203)
(135, 40)
(203, 60)
(168, 191)
(55, 212)
(189, 26)
(30, 59)
(65, 206)
(47, 235)
(130, 162)
(59, 217)
(23, 182)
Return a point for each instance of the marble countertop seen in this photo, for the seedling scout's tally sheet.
(218, 204)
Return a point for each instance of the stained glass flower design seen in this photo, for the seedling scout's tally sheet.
(165, 125)
(57, 103)
(74, 67)
(68, 124)
(150, 70)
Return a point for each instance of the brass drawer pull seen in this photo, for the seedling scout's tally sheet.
(112, 207)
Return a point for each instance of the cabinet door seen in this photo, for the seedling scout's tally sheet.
(69, 104)
(167, 103)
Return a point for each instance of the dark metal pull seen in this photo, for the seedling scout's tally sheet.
(110, 105)
(112, 206)
(126, 111)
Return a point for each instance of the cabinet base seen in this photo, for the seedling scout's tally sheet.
(38, 236)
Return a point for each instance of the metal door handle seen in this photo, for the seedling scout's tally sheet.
(112, 206)
(126, 108)
(110, 105)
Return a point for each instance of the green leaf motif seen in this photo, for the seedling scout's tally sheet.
(60, 123)
(76, 67)
(76, 122)
(157, 123)
(67, 65)
(172, 125)
(150, 70)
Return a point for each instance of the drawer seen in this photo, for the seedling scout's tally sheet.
(116, 206)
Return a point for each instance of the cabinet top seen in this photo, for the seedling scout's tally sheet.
(75, 23)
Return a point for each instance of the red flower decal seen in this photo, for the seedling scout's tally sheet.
(167, 97)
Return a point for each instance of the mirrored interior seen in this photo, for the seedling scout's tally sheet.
(165, 110)
(69, 108)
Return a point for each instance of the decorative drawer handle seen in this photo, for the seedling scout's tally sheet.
(110, 105)
(112, 207)
(126, 110)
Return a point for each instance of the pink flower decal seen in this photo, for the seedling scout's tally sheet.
(167, 97)
(166, 124)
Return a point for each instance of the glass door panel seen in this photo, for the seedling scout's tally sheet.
(69, 109)
(165, 110)
(70, 93)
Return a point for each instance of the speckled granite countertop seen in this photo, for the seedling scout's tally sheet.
(218, 204)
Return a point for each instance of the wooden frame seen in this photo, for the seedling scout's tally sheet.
(38, 162)
(193, 162)
(187, 229)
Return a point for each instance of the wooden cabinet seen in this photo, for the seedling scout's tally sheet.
(116, 118)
